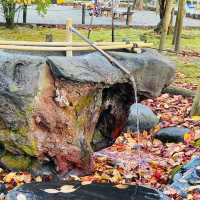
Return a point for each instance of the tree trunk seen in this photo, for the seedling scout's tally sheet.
(170, 29)
(134, 4)
(162, 6)
(140, 4)
(9, 13)
(181, 12)
(196, 105)
(175, 29)
(165, 23)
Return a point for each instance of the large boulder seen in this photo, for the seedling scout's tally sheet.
(56, 110)
(76, 191)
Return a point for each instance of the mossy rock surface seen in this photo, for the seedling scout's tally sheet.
(15, 162)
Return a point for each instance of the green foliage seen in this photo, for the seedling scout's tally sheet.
(10, 7)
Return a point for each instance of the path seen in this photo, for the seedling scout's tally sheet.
(58, 15)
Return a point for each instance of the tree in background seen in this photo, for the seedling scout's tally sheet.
(165, 23)
(162, 8)
(179, 25)
(138, 4)
(11, 7)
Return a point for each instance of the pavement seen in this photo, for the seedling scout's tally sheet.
(58, 14)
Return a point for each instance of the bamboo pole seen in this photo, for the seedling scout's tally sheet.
(67, 49)
(69, 35)
(73, 44)
(59, 44)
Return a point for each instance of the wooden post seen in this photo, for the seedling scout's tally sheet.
(69, 35)
(113, 25)
(179, 25)
(24, 14)
(49, 38)
(83, 13)
(129, 17)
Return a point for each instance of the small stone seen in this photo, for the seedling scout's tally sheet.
(172, 134)
(147, 119)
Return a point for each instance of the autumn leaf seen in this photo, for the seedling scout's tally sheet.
(67, 189)
(51, 191)
(195, 118)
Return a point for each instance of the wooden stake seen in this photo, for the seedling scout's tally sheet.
(113, 25)
(129, 16)
(69, 35)
(83, 13)
(24, 14)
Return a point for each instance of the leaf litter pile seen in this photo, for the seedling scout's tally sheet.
(146, 162)
(155, 163)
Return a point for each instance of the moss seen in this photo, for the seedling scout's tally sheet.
(97, 137)
(15, 162)
(2, 124)
(84, 102)
(30, 149)
(21, 131)
(197, 143)
(16, 141)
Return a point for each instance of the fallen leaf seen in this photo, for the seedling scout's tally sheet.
(51, 191)
(120, 186)
(67, 189)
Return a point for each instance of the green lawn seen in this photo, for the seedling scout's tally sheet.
(190, 38)
(190, 41)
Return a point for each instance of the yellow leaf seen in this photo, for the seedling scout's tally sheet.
(120, 186)
(195, 118)
(187, 137)
(8, 178)
(86, 182)
(38, 179)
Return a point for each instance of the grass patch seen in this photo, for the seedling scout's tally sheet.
(190, 38)
(190, 41)
(191, 71)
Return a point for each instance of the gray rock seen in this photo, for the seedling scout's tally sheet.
(151, 70)
(36, 191)
(147, 119)
(172, 134)
(53, 110)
